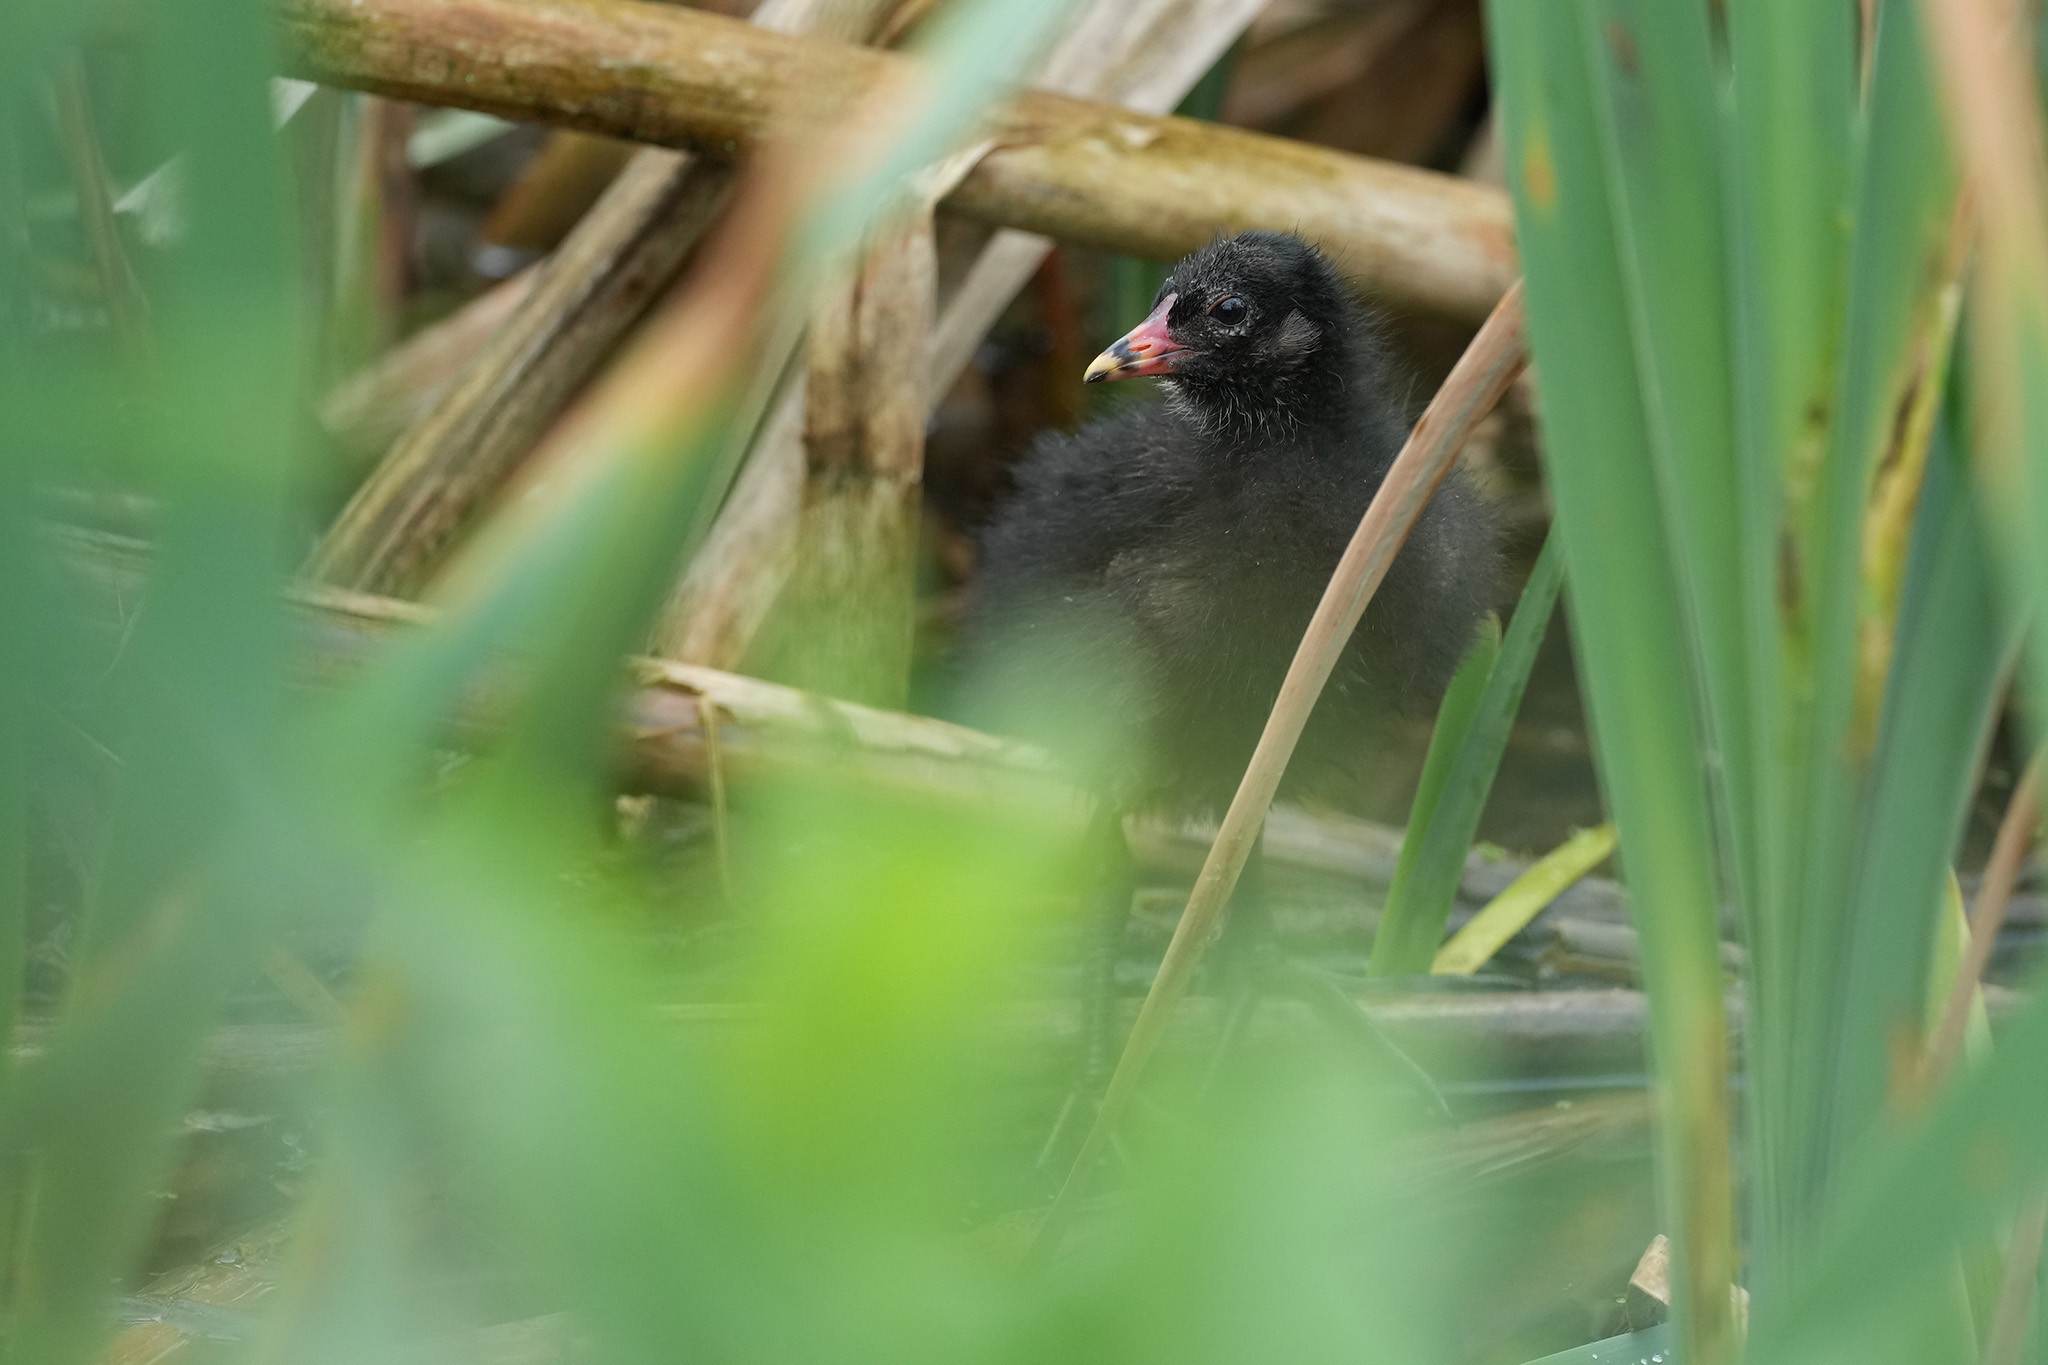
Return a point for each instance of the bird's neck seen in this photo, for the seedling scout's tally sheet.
(1314, 408)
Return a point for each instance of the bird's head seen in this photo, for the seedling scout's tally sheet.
(1248, 329)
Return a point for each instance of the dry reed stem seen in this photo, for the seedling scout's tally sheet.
(1150, 186)
(863, 405)
(703, 364)
(767, 729)
(691, 733)
(694, 732)
(298, 983)
(725, 594)
(851, 600)
(1988, 84)
(388, 176)
(1477, 382)
(366, 412)
(553, 192)
(721, 828)
(402, 519)
(601, 280)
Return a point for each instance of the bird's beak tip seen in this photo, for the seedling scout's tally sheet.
(1148, 349)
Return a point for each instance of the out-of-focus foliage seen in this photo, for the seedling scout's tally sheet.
(780, 1109)
(817, 1148)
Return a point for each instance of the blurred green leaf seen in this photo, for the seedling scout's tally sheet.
(196, 864)
(801, 1145)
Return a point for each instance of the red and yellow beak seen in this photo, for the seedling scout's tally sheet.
(1146, 349)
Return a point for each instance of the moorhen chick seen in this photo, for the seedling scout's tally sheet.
(1140, 594)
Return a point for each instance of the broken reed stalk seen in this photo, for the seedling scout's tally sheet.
(850, 604)
(394, 530)
(1474, 385)
(686, 729)
(1064, 167)
(860, 496)
(1147, 60)
(586, 295)
(613, 264)
(2016, 832)
(730, 584)
(622, 255)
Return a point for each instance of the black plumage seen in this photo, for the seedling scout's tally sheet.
(1140, 594)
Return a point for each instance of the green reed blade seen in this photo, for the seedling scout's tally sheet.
(1628, 613)
(1904, 204)
(1399, 927)
(1791, 116)
(1464, 755)
(1656, 99)
(1955, 637)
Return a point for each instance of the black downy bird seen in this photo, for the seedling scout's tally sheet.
(1141, 593)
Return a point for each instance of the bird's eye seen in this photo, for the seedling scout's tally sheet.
(1228, 310)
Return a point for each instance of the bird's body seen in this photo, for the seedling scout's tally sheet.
(1140, 595)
